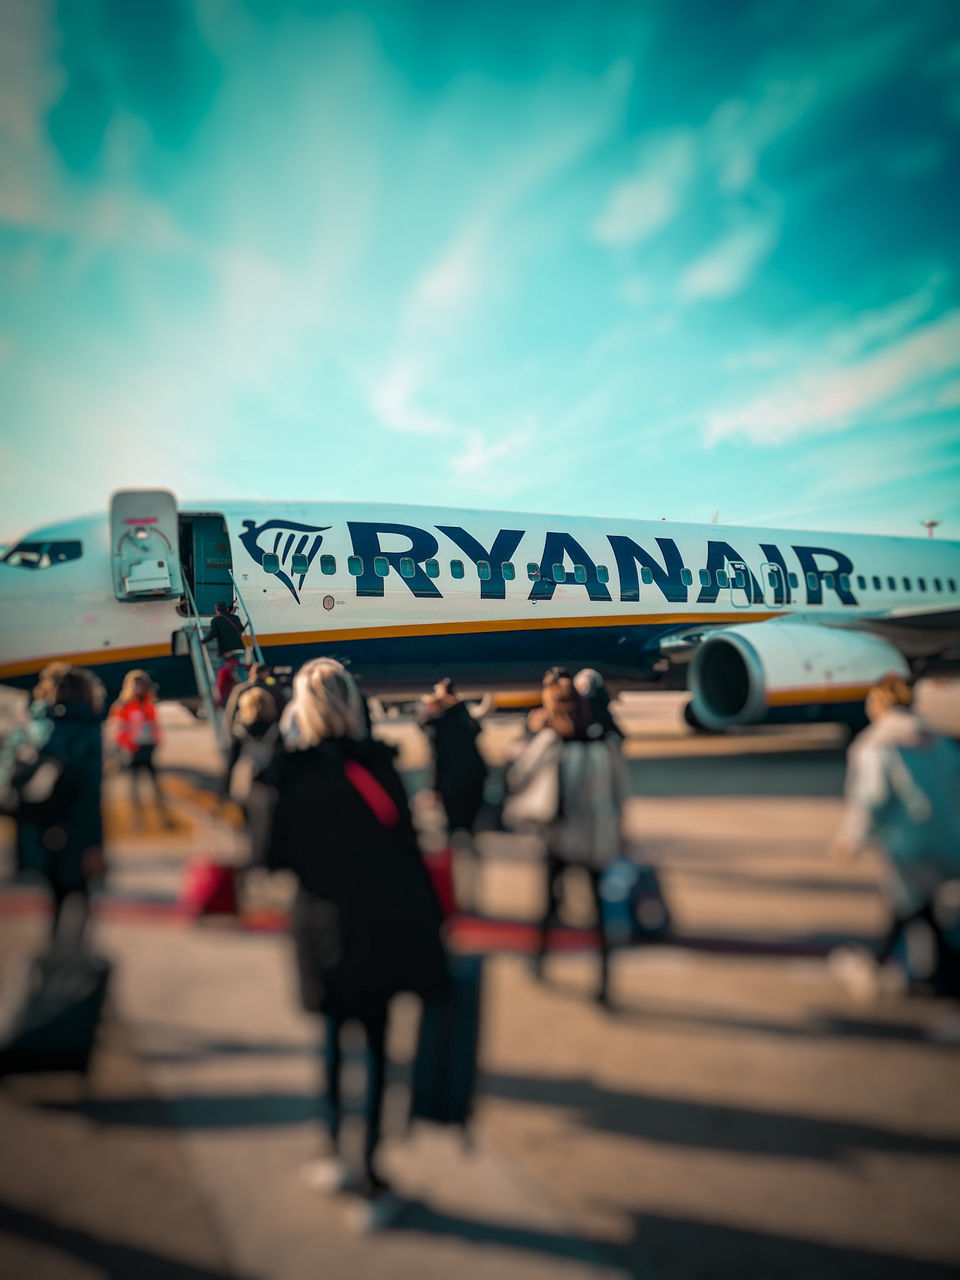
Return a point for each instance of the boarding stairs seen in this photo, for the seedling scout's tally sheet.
(194, 629)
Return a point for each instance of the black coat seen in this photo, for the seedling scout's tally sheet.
(71, 734)
(366, 922)
(457, 762)
(227, 632)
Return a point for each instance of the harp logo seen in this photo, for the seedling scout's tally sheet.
(286, 539)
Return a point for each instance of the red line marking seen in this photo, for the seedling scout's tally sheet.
(145, 520)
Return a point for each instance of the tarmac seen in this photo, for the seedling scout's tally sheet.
(736, 1115)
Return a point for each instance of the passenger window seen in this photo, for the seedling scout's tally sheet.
(579, 573)
(906, 584)
(328, 565)
(921, 584)
(811, 581)
(828, 580)
(952, 584)
(381, 566)
(704, 578)
(270, 562)
(861, 582)
(937, 584)
(407, 567)
(483, 570)
(794, 580)
(299, 563)
(43, 555)
(686, 577)
(432, 568)
(844, 582)
(891, 584)
(772, 579)
(646, 575)
(508, 570)
(533, 572)
(559, 573)
(877, 584)
(722, 579)
(456, 568)
(738, 579)
(355, 566)
(603, 574)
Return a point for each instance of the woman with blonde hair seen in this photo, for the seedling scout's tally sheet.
(331, 808)
(137, 734)
(902, 796)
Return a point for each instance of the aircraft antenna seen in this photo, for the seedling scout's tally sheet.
(930, 525)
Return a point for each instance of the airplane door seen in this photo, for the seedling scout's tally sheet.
(207, 560)
(772, 584)
(740, 593)
(144, 543)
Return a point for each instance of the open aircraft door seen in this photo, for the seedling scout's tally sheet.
(144, 544)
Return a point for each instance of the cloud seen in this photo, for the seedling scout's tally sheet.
(394, 401)
(881, 324)
(640, 205)
(729, 264)
(831, 399)
(739, 131)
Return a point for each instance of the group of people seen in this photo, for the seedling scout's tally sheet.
(324, 800)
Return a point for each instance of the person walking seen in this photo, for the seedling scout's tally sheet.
(903, 797)
(57, 807)
(459, 770)
(225, 631)
(589, 684)
(133, 718)
(254, 739)
(365, 922)
(259, 677)
(571, 787)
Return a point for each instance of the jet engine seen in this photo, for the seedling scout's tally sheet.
(786, 671)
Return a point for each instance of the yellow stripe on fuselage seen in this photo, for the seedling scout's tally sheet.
(137, 653)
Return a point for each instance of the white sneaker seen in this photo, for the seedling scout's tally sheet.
(329, 1174)
(855, 969)
(377, 1213)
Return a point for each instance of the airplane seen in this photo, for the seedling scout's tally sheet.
(777, 626)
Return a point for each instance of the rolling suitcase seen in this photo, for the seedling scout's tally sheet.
(52, 1024)
(445, 1067)
(634, 908)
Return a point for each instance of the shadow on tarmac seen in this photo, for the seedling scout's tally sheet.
(651, 1118)
(110, 1258)
(689, 1249)
(710, 1126)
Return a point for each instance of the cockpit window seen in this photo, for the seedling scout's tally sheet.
(43, 555)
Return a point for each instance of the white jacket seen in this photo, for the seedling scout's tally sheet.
(573, 792)
(903, 794)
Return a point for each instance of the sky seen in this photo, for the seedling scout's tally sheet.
(638, 260)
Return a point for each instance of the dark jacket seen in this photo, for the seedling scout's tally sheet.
(457, 762)
(599, 702)
(70, 734)
(366, 921)
(227, 633)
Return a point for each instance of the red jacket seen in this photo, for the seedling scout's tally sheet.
(136, 724)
